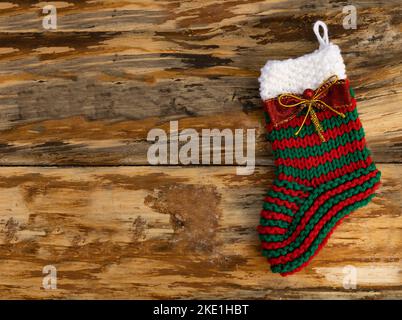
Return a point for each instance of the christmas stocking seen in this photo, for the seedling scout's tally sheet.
(323, 168)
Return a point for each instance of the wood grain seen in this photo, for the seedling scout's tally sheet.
(121, 233)
(89, 92)
(76, 190)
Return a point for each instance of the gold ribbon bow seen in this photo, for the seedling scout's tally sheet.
(310, 103)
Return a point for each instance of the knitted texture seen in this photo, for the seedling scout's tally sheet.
(295, 75)
(317, 184)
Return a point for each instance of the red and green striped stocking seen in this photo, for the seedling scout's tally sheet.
(323, 168)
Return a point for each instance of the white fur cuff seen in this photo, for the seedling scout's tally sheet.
(308, 71)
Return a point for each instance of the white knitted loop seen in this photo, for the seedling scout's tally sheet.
(324, 41)
(308, 71)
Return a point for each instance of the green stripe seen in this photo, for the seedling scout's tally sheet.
(352, 92)
(320, 149)
(325, 168)
(336, 121)
(283, 196)
(282, 133)
(324, 208)
(274, 207)
(273, 223)
(324, 232)
(292, 185)
(270, 237)
(316, 193)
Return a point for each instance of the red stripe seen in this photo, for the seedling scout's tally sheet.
(339, 172)
(322, 115)
(314, 161)
(271, 215)
(270, 230)
(321, 245)
(313, 234)
(290, 205)
(315, 206)
(290, 192)
(314, 139)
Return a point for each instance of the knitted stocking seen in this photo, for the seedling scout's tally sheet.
(323, 169)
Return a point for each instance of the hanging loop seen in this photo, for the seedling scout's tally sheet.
(323, 40)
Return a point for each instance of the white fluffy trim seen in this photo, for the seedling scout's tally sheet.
(308, 71)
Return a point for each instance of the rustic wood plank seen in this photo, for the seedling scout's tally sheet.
(122, 233)
(86, 93)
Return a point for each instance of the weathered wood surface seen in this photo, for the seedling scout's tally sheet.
(122, 233)
(87, 95)
(89, 92)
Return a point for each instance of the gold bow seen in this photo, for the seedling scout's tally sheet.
(310, 103)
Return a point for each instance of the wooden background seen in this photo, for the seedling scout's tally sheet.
(76, 190)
